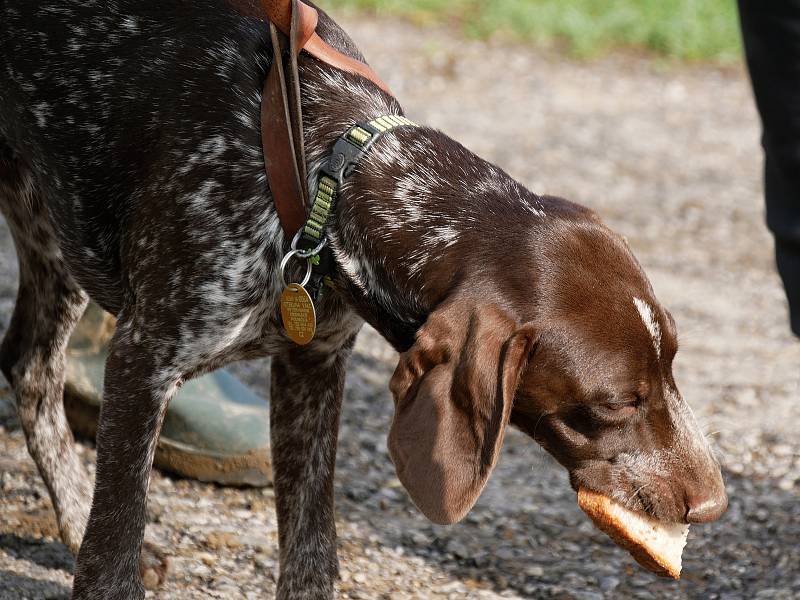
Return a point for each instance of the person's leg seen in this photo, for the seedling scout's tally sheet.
(771, 32)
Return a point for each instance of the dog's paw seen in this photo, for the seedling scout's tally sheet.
(153, 566)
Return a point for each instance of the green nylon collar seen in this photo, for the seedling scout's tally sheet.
(341, 163)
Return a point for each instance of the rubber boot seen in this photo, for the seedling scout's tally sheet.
(215, 429)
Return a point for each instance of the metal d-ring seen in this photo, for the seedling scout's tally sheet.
(307, 253)
(285, 261)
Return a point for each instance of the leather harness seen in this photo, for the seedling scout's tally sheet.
(292, 25)
(292, 30)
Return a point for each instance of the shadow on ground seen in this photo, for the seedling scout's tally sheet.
(47, 555)
(749, 544)
(20, 586)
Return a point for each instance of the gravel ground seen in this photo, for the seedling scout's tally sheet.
(669, 157)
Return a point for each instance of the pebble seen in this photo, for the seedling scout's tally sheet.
(609, 584)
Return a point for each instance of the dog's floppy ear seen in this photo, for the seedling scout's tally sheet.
(453, 393)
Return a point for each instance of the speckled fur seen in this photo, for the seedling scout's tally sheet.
(49, 303)
(131, 172)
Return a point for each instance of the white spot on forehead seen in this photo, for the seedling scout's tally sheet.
(649, 320)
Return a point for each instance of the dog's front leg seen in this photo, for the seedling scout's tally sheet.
(304, 420)
(138, 386)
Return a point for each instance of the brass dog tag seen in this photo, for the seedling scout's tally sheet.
(298, 314)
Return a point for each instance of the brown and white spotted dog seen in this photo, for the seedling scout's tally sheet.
(131, 172)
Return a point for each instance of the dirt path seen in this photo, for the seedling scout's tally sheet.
(670, 159)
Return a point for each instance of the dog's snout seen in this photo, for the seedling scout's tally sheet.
(706, 507)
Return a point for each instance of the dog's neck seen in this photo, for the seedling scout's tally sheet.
(421, 216)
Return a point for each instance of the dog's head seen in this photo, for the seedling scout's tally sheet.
(575, 351)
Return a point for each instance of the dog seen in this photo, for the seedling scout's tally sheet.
(131, 172)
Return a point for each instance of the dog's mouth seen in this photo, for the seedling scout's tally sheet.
(659, 496)
(675, 481)
(635, 497)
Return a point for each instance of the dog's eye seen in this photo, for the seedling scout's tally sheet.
(622, 407)
(619, 407)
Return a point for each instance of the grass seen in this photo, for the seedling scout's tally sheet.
(682, 29)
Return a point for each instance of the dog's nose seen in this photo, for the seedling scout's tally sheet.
(706, 507)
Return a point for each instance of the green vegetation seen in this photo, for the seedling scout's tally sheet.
(683, 29)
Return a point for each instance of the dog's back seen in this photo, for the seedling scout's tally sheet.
(89, 90)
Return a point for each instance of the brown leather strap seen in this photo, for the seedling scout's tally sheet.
(278, 11)
(281, 12)
(281, 113)
(320, 49)
(297, 39)
(281, 134)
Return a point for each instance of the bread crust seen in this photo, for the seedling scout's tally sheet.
(599, 509)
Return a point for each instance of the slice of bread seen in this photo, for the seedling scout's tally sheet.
(655, 545)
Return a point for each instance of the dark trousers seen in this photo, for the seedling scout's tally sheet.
(771, 31)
